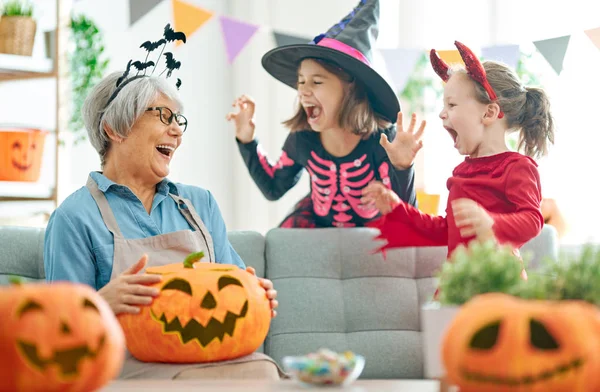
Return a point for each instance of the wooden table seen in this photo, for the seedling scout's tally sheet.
(268, 386)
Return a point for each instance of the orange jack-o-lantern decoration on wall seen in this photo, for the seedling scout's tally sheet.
(205, 312)
(57, 337)
(501, 343)
(21, 152)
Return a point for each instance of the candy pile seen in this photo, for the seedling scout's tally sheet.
(324, 367)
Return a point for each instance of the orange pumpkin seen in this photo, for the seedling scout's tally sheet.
(204, 313)
(501, 343)
(57, 337)
(21, 152)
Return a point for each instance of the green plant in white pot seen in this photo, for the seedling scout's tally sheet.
(480, 268)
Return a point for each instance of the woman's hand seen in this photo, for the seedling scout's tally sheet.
(244, 119)
(472, 219)
(271, 292)
(405, 146)
(129, 290)
(379, 196)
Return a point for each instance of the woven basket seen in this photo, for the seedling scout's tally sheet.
(17, 34)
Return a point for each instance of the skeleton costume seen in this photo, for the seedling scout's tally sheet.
(336, 183)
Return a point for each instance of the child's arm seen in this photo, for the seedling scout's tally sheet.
(523, 189)
(405, 225)
(273, 179)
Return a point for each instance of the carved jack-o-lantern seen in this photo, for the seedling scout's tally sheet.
(204, 313)
(501, 343)
(57, 337)
(21, 153)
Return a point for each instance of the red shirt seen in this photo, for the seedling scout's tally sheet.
(507, 185)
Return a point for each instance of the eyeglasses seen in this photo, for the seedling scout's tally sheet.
(167, 116)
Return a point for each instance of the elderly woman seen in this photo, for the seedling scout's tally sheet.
(130, 215)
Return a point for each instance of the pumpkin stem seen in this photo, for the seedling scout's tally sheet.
(192, 258)
(15, 280)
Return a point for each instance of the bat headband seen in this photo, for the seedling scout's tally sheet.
(474, 69)
(171, 64)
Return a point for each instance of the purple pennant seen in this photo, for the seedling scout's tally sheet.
(507, 54)
(236, 35)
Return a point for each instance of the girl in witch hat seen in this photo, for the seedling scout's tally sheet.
(342, 132)
(495, 193)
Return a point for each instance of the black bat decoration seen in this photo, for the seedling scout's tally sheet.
(120, 80)
(150, 46)
(178, 84)
(142, 66)
(172, 64)
(171, 35)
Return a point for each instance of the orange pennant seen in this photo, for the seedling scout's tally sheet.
(188, 18)
(451, 57)
(594, 35)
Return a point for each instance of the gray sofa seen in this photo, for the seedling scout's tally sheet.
(332, 291)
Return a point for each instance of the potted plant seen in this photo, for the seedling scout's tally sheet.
(17, 28)
(86, 68)
(480, 268)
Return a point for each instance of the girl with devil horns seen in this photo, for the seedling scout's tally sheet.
(342, 132)
(495, 193)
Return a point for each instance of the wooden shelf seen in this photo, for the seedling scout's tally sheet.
(25, 191)
(14, 67)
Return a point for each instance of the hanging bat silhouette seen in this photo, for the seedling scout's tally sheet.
(171, 35)
(171, 63)
(142, 66)
(150, 46)
(178, 84)
(120, 80)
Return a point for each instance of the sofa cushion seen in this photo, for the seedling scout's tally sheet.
(333, 293)
(22, 253)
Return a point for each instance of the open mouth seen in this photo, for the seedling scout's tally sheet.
(19, 166)
(165, 150)
(193, 330)
(560, 370)
(453, 134)
(68, 360)
(312, 112)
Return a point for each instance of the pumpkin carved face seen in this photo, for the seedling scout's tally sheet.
(501, 343)
(57, 337)
(21, 154)
(207, 313)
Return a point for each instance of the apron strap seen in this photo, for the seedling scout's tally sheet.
(105, 210)
(189, 213)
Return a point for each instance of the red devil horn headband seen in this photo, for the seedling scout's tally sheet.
(474, 69)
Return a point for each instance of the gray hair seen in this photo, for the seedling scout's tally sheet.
(124, 110)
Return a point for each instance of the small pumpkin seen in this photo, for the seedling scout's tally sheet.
(205, 312)
(21, 151)
(57, 337)
(498, 343)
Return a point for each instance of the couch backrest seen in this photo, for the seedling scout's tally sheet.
(22, 251)
(333, 293)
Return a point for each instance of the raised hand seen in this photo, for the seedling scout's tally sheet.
(243, 119)
(129, 290)
(379, 196)
(403, 149)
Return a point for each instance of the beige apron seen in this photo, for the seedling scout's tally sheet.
(161, 249)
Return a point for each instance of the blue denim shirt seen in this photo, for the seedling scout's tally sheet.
(78, 246)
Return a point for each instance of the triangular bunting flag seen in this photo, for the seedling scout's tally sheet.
(594, 35)
(188, 18)
(507, 54)
(139, 8)
(450, 57)
(400, 63)
(236, 35)
(286, 39)
(554, 51)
